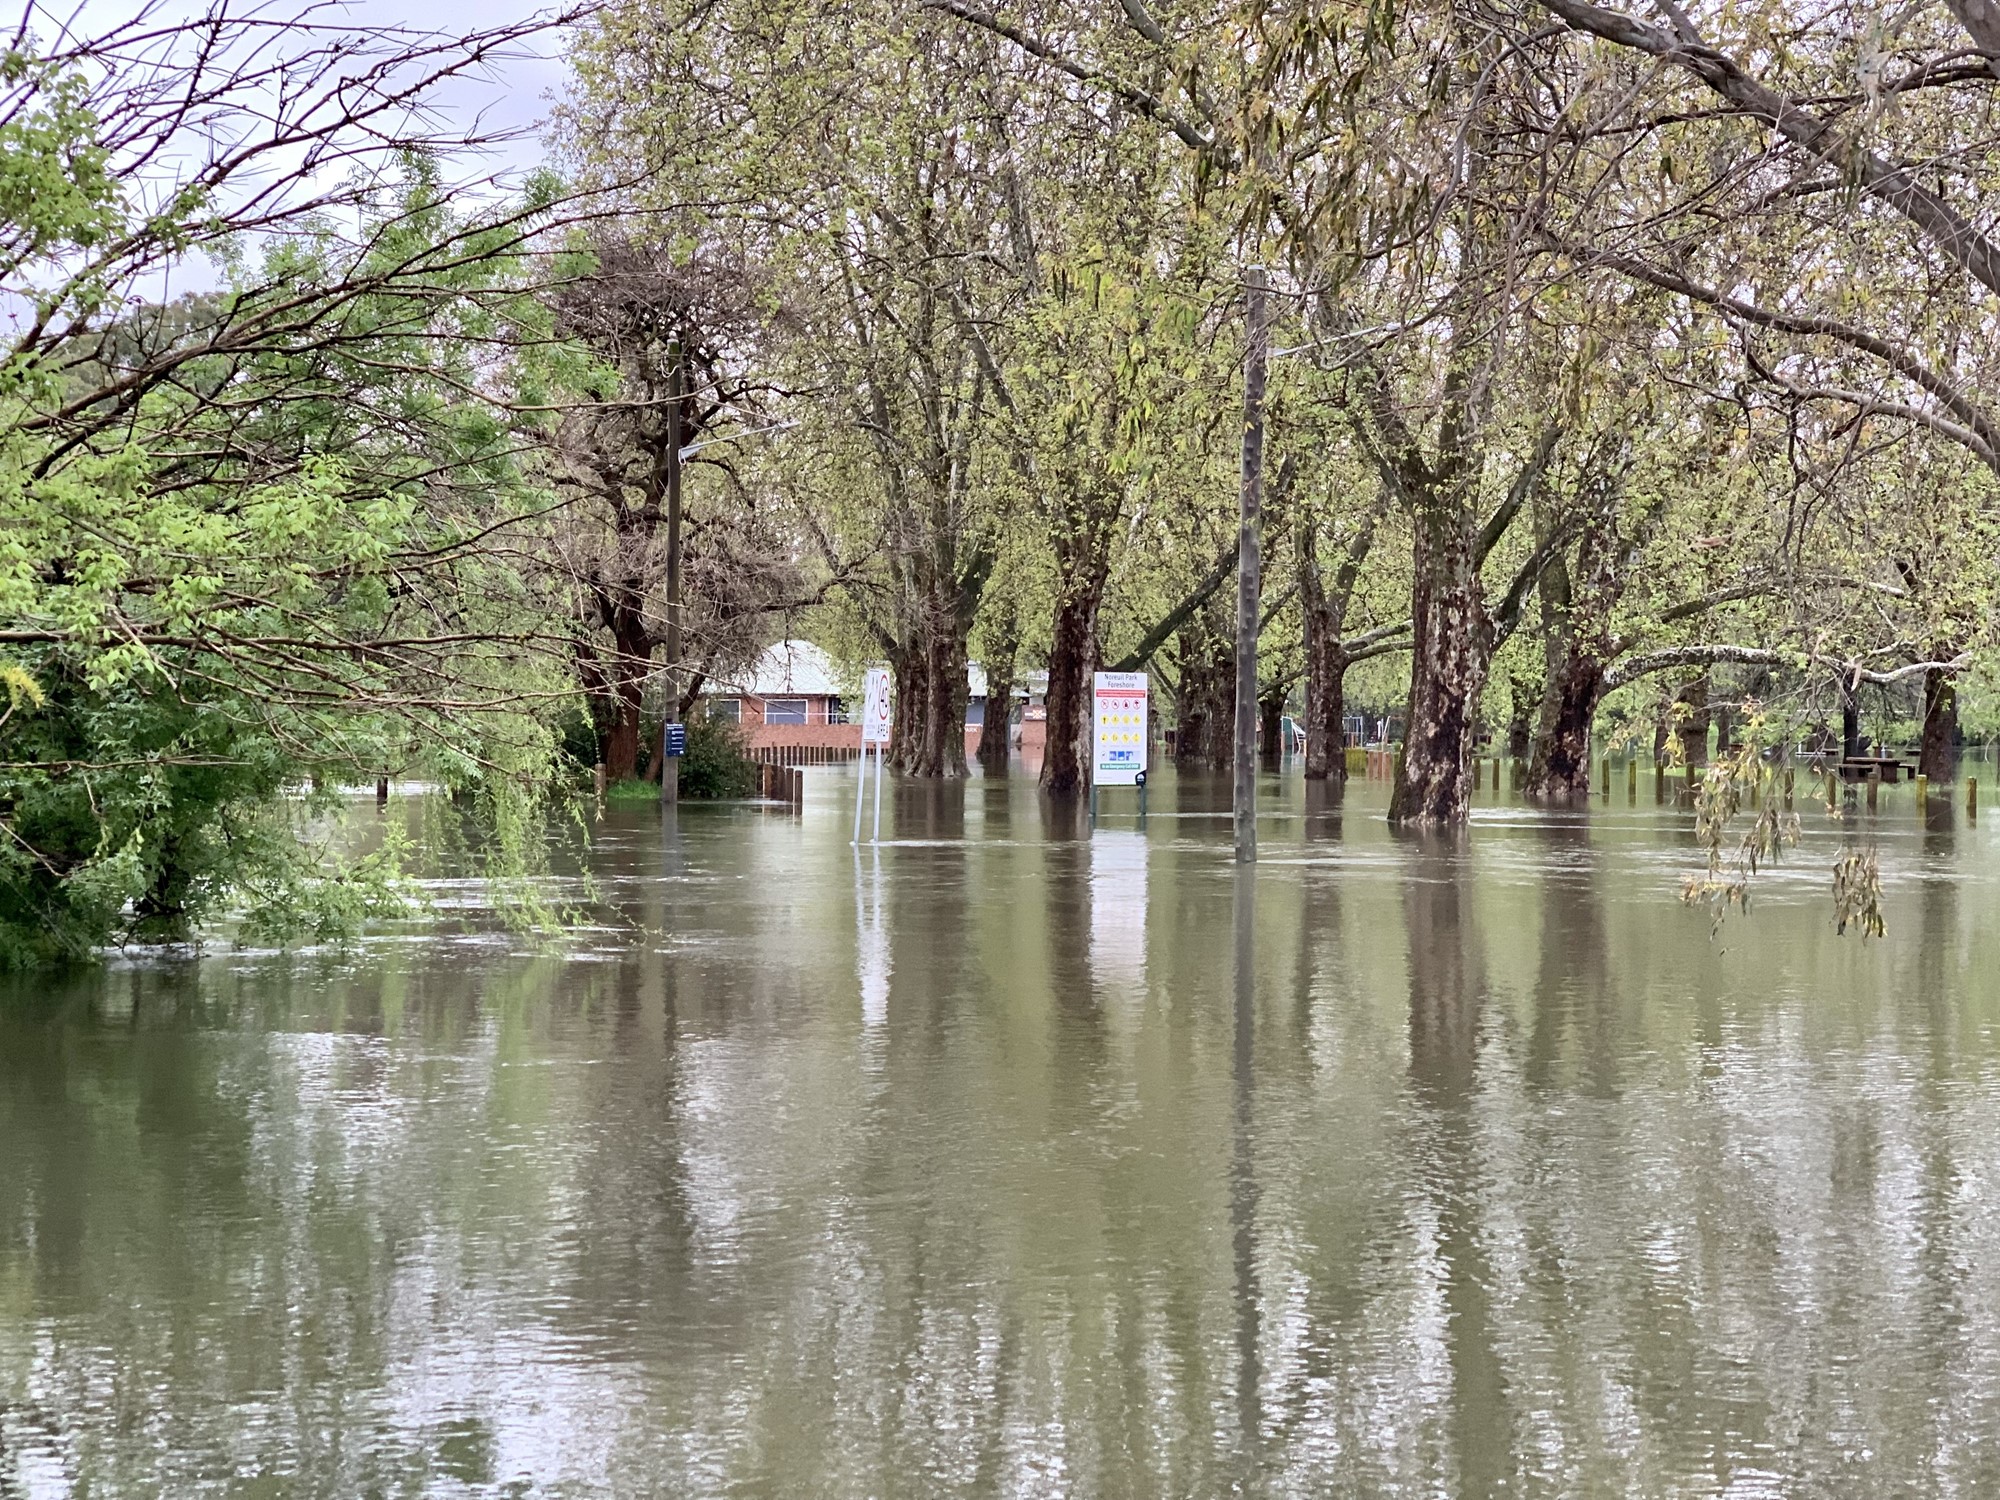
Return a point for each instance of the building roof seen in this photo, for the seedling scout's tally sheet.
(797, 668)
(1028, 684)
(790, 668)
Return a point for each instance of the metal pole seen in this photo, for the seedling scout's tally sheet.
(860, 793)
(1249, 565)
(878, 792)
(670, 766)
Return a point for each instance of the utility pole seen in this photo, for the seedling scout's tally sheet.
(1249, 565)
(670, 765)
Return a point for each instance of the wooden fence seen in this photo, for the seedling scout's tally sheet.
(802, 755)
(781, 783)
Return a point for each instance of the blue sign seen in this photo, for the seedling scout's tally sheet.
(677, 739)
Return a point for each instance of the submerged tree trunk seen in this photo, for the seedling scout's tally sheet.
(1205, 697)
(1452, 647)
(1937, 756)
(1324, 611)
(1271, 725)
(1693, 723)
(1326, 700)
(1072, 660)
(995, 745)
(996, 729)
(1561, 765)
(1522, 691)
(928, 736)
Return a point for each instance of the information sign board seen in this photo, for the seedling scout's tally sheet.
(1118, 740)
(875, 708)
(677, 739)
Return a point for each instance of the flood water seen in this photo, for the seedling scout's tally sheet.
(1005, 1159)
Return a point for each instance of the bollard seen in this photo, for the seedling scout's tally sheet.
(1659, 781)
(1631, 778)
(1496, 775)
(1874, 785)
(1832, 790)
(1475, 773)
(1972, 801)
(1923, 792)
(1607, 776)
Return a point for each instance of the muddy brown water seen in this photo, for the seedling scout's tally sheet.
(1008, 1159)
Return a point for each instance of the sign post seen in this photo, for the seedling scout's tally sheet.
(1118, 738)
(875, 724)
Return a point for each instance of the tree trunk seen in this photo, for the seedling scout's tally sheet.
(1850, 720)
(628, 678)
(1452, 645)
(1937, 756)
(1271, 727)
(1520, 728)
(994, 733)
(1072, 660)
(944, 708)
(1326, 699)
(1561, 764)
(1694, 725)
(909, 685)
(1205, 701)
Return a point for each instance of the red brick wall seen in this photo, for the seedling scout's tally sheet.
(833, 736)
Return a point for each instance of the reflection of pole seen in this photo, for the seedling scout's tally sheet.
(1249, 566)
(1243, 1193)
(670, 766)
(878, 792)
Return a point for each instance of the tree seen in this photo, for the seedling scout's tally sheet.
(663, 331)
(251, 533)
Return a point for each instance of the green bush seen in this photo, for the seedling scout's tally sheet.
(714, 768)
(715, 765)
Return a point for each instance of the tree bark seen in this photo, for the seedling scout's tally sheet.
(1561, 764)
(1326, 700)
(1937, 756)
(1694, 726)
(1204, 701)
(1520, 728)
(628, 679)
(1072, 660)
(1271, 727)
(1452, 648)
(994, 742)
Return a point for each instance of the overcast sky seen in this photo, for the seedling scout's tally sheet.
(517, 97)
(514, 98)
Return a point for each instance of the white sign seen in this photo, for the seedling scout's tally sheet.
(1118, 739)
(875, 713)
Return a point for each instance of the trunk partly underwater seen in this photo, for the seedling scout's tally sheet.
(1452, 641)
(1561, 764)
(1326, 700)
(1937, 756)
(1072, 660)
(995, 742)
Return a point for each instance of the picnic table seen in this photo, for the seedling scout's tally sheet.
(1860, 767)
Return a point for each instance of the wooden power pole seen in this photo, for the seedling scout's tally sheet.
(1249, 566)
(670, 766)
